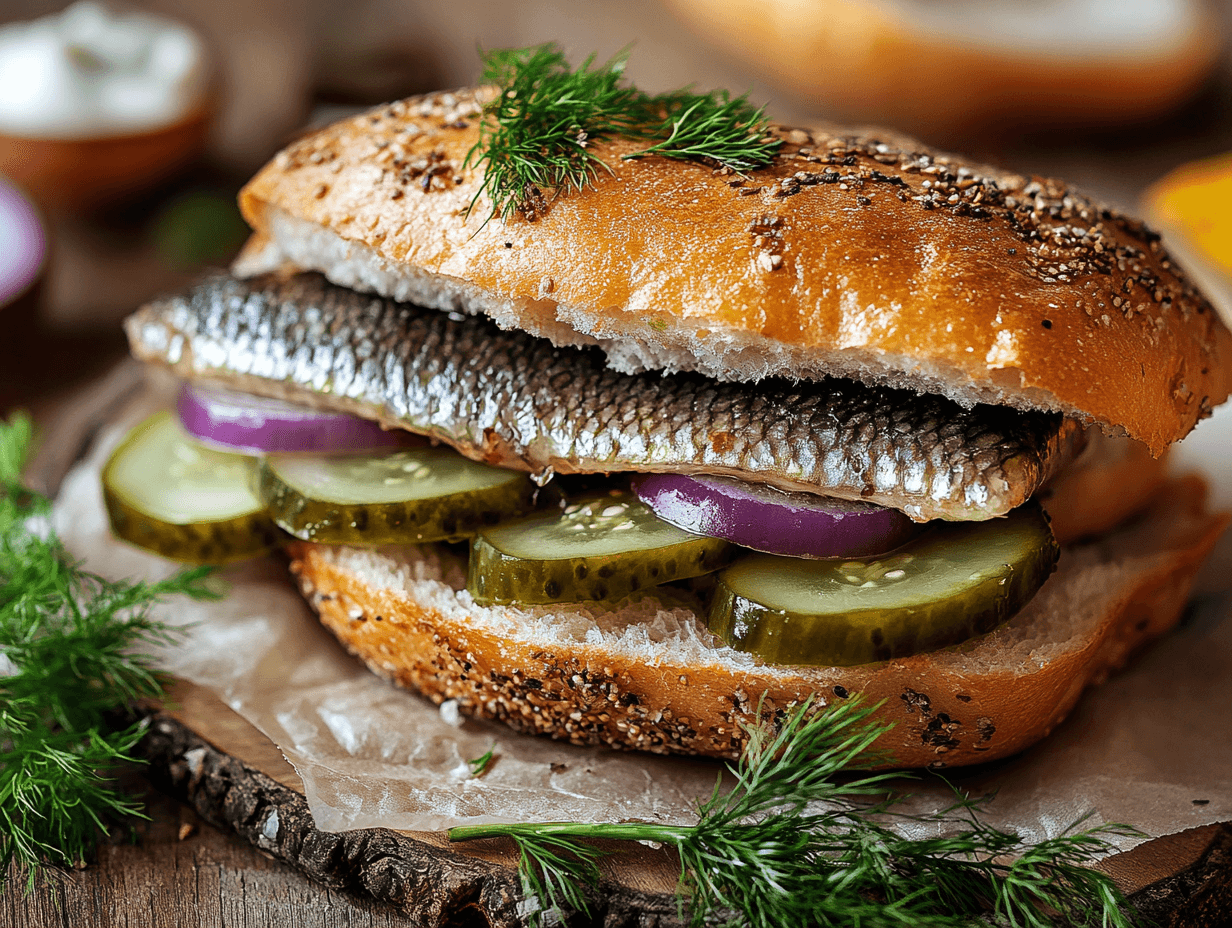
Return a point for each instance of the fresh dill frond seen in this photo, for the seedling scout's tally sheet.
(715, 127)
(480, 764)
(56, 795)
(72, 645)
(534, 140)
(555, 871)
(794, 843)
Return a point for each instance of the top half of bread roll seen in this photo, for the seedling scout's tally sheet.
(854, 253)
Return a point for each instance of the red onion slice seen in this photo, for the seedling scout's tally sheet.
(258, 425)
(770, 520)
(24, 244)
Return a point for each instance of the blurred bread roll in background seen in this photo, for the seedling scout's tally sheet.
(942, 67)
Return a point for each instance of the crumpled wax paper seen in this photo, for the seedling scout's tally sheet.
(1151, 747)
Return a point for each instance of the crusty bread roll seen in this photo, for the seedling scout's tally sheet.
(858, 254)
(951, 67)
(1111, 479)
(649, 676)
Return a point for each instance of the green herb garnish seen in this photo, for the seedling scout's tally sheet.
(480, 764)
(712, 127)
(535, 138)
(71, 643)
(792, 843)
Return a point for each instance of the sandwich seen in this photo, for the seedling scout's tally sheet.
(685, 445)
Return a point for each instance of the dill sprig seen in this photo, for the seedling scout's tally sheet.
(537, 128)
(794, 843)
(534, 141)
(479, 765)
(71, 643)
(715, 126)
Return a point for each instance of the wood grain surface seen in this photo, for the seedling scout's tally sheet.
(181, 871)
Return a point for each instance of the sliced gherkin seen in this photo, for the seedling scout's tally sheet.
(168, 494)
(594, 550)
(955, 581)
(409, 495)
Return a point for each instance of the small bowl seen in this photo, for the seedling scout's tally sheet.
(81, 174)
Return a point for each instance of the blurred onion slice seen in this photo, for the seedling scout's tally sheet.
(258, 425)
(23, 244)
(774, 521)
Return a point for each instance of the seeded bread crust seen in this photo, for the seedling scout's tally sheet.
(656, 681)
(858, 254)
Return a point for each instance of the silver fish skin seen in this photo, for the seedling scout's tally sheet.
(514, 400)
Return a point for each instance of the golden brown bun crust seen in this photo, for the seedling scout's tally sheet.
(861, 59)
(945, 713)
(867, 251)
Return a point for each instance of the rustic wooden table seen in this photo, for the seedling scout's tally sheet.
(178, 870)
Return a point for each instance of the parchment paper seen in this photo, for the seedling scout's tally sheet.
(1152, 747)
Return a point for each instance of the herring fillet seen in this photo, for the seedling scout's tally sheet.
(514, 400)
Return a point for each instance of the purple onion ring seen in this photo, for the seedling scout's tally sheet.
(765, 519)
(25, 244)
(257, 425)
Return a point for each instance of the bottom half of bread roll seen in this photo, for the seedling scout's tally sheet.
(648, 675)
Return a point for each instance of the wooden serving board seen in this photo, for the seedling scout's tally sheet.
(234, 777)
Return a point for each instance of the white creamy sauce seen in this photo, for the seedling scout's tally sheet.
(88, 72)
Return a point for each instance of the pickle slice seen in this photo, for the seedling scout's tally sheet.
(409, 495)
(955, 581)
(168, 494)
(599, 549)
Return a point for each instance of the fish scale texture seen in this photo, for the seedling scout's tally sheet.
(515, 400)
